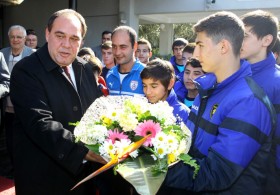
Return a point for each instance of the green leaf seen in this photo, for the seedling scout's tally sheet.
(94, 148)
(187, 159)
(139, 172)
(73, 124)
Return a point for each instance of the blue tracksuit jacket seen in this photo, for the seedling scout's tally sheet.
(173, 62)
(267, 75)
(232, 124)
(180, 109)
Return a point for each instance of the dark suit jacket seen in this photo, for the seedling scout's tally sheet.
(46, 158)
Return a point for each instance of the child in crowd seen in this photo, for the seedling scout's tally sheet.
(261, 29)
(186, 55)
(88, 55)
(107, 57)
(230, 119)
(186, 89)
(158, 79)
(144, 51)
(177, 59)
(188, 52)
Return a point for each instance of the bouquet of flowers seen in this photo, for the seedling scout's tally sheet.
(141, 138)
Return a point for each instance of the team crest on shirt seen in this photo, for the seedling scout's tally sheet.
(213, 110)
(133, 85)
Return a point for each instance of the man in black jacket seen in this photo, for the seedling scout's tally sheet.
(46, 99)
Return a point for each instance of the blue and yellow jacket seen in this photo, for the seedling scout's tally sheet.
(232, 124)
(267, 74)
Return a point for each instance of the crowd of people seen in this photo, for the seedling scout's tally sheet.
(224, 87)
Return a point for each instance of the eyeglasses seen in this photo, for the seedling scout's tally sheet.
(16, 37)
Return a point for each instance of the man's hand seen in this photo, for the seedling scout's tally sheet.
(91, 156)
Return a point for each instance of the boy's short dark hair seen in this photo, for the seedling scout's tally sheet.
(30, 32)
(189, 48)
(223, 25)
(179, 42)
(194, 63)
(158, 69)
(105, 32)
(86, 51)
(263, 23)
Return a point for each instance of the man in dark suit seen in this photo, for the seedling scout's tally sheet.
(46, 98)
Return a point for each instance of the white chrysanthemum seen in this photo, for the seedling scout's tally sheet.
(162, 110)
(128, 121)
(160, 143)
(91, 134)
(161, 151)
(172, 143)
(107, 148)
(183, 147)
(140, 105)
(160, 139)
(113, 114)
(122, 144)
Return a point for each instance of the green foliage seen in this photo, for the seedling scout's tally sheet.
(159, 167)
(94, 148)
(73, 124)
(151, 32)
(184, 31)
(156, 54)
(187, 159)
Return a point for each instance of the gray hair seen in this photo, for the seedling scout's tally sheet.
(21, 28)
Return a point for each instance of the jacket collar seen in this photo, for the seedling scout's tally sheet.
(260, 66)
(207, 83)
(137, 64)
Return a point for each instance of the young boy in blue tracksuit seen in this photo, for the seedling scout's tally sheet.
(260, 36)
(186, 89)
(158, 79)
(231, 119)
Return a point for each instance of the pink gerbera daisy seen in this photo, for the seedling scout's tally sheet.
(115, 135)
(146, 128)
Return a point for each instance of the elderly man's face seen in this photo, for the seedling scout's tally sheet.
(17, 39)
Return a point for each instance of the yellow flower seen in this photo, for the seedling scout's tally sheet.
(171, 158)
(160, 151)
(106, 121)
